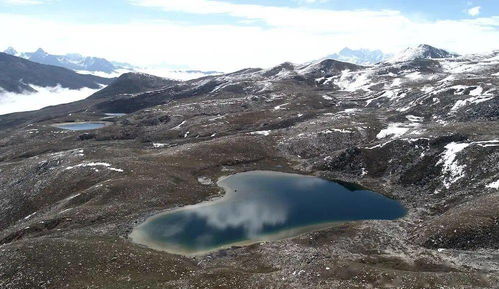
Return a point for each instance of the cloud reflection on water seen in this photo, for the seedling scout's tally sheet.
(251, 215)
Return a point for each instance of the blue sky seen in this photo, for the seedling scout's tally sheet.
(227, 35)
(110, 11)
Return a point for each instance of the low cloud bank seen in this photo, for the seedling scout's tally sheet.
(45, 96)
(158, 71)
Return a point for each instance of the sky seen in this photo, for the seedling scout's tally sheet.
(227, 35)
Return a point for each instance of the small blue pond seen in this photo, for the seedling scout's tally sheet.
(81, 125)
(262, 205)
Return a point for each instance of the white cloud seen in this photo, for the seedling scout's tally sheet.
(304, 19)
(475, 11)
(287, 34)
(45, 96)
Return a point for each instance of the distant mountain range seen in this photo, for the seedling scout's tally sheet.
(20, 75)
(370, 57)
(71, 61)
(44, 69)
(101, 66)
(360, 56)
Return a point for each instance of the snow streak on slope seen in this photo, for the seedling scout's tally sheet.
(451, 168)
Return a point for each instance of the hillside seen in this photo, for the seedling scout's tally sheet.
(18, 74)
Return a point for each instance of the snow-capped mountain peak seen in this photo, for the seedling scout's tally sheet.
(422, 51)
(40, 52)
(11, 51)
(359, 56)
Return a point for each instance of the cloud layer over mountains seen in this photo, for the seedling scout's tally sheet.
(45, 96)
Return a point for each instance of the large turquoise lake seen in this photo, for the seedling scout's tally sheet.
(259, 206)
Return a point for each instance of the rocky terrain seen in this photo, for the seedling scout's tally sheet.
(422, 130)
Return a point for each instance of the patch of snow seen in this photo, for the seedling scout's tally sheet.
(350, 110)
(368, 102)
(327, 97)
(414, 75)
(363, 172)
(494, 185)
(116, 170)
(331, 130)
(472, 100)
(95, 164)
(395, 130)
(413, 118)
(72, 197)
(488, 143)
(406, 55)
(265, 86)
(205, 181)
(427, 89)
(377, 146)
(181, 124)
(279, 107)
(158, 145)
(396, 82)
(459, 89)
(352, 81)
(66, 210)
(477, 91)
(29, 216)
(450, 166)
(468, 65)
(320, 79)
(261, 132)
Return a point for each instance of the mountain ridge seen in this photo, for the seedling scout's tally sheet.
(131, 83)
(71, 61)
(17, 74)
(422, 51)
